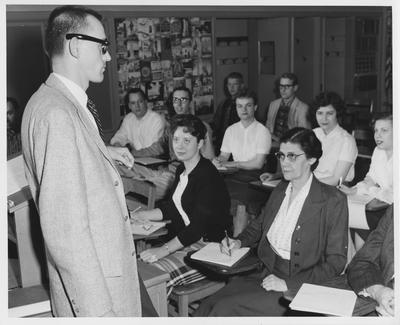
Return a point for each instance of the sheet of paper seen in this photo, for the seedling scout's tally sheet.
(324, 300)
(271, 183)
(212, 253)
(356, 204)
(15, 175)
(147, 228)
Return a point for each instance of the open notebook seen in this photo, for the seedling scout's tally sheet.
(211, 253)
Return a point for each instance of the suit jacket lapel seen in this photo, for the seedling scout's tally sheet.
(54, 82)
(313, 203)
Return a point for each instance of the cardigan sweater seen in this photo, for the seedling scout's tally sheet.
(206, 202)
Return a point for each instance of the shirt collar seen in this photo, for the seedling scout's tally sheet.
(306, 187)
(76, 90)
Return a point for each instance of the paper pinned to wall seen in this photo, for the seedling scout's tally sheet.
(15, 175)
(324, 300)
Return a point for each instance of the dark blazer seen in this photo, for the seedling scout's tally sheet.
(319, 240)
(374, 262)
(206, 202)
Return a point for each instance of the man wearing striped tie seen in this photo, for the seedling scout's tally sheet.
(74, 183)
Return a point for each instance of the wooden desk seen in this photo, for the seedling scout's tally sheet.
(29, 238)
(34, 301)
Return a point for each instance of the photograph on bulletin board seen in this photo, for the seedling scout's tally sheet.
(160, 54)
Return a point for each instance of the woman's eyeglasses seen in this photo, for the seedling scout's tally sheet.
(104, 42)
(290, 156)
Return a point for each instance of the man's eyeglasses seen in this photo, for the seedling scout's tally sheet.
(290, 156)
(285, 87)
(180, 100)
(104, 42)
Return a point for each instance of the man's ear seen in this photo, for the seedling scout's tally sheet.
(296, 87)
(73, 47)
(255, 107)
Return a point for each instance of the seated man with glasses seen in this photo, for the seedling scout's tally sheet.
(141, 128)
(179, 103)
(288, 111)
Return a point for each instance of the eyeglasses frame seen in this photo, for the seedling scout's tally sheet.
(279, 155)
(104, 42)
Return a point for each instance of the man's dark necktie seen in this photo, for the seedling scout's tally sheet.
(92, 109)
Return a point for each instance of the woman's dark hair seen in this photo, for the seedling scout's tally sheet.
(308, 142)
(64, 20)
(325, 99)
(191, 124)
(170, 101)
(232, 75)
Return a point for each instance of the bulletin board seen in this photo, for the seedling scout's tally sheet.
(159, 54)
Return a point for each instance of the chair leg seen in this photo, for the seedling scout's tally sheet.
(183, 306)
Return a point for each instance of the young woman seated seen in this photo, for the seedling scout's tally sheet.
(301, 236)
(378, 183)
(199, 205)
(339, 149)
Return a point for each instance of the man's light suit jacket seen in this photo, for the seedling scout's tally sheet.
(83, 214)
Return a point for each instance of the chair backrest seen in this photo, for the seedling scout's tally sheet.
(143, 191)
(364, 140)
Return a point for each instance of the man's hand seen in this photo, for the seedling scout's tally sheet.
(273, 283)
(121, 155)
(384, 296)
(347, 190)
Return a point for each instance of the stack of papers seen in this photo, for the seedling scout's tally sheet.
(211, 253)
(324, 300)
(146, 228)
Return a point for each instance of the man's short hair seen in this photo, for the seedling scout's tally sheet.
(64, 20)
(247, 93)
(290, 76)
(183, 88)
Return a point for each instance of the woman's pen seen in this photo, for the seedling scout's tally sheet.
(134, 211)
(340, 182)
(227, 243)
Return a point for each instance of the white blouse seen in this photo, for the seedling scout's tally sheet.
(177, 197)
(281, 231)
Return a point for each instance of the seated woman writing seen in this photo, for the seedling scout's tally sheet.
(339, 149)
(378, 183)
(301, 236)
(199, 205)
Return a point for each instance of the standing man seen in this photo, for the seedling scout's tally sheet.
(141, 128)
(77, 190)
(226, 114)
(288, 111)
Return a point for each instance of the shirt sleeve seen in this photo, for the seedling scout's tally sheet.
(263, 141)
(226, 142)
(349, 150)
(121, 136)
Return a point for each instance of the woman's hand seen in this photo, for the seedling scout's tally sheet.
(273, 283)
(216, 162)
(266, 177)
(141, 216)
(152, 255)
(233, 244)
(347, 190)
